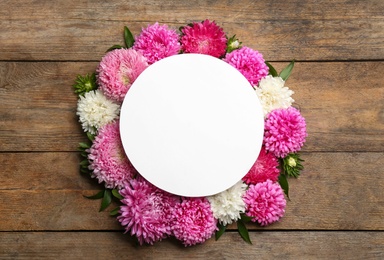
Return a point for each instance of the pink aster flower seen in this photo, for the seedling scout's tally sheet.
(265, 168)
(157, 42)
(193, 221)
(265, 202)
(249, 62)
(117, 71)
(107, 158)
(146, 211)
(285, 131)
(205, 38)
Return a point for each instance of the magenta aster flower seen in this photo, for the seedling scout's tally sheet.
(205, 38)
(265, 202)
(249, 62)
(265, 168)
(193, 221)
(157, 42)
(146, 211)
(285, 131)
(107, 158)
(117, 71)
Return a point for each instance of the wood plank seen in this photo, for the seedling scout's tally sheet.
(267, 245)
(336, 191)
(315, 30)
(341, 101)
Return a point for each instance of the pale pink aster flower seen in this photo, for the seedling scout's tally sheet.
(249, 62)
(117, 71)
(146, 211)
(265, 168)
(204, 38)
(107, 158)
(284, 131)
(265, 202)
(193, 221)
(157, 42)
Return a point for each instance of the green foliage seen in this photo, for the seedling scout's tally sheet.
(114, 212)
(221, 231)
(116, 194)
(106, 201)
(85, 84)
(114, 47)
(128, 37)
(286, 72)
(292, 164)
(97, 196)
(272, 70)
(232, 44)
(283, 181)
(243, 231)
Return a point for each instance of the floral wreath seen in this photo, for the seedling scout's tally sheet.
(151, 214)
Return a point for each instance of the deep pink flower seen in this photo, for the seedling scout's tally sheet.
(285, 131)
(193, 221)
(205, 38)
(265, 202)
(146, 211)
(265, 168)
(117, 71)
(157, 42)
(107, 157)
(249, 62)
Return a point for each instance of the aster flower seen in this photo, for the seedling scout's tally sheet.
(265, 202)
(85, 84)
(205, 38)
(95, 110)
(292, 164)
(193, 221)
(265, 168)
(117, 71)
(157, 42)
(273, 94)
(249, 62)
(107, 158)
(146, 211)
(227, 205)
(285, 131)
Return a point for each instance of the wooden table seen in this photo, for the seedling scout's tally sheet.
(337, 205)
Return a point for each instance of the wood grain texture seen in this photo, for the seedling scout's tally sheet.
(281, 30)
(340, 101)
(266, 245)
(333, 188)
(337, 205)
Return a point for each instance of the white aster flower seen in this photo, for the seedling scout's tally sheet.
(227, 205)
(273, 94)
(95, 110)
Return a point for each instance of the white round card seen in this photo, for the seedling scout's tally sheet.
(192, 125)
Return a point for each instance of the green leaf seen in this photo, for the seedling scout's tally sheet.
(243, 231)
(283, 181)
(107, 199)
(114, 47)
(97, 196)
(84, 145)
(220, 232)
(90, 136)
(286, 72)
(128, 37)
(272, 70)
(114, 212)
(245, 218)
(84, 163)
(116, 194)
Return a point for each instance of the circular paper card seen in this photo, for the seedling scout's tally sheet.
(192, 125)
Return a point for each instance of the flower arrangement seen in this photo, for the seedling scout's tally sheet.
(150, 214)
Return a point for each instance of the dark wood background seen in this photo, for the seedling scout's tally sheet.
(337, 205)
